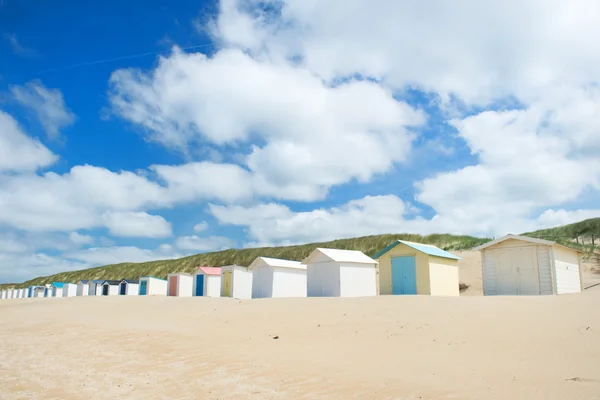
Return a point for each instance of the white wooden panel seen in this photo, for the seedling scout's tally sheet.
(490, 287)
(323, 279)
(545, 270)
(567, 270)
(524, 260)
(289, 282)
(506, 283)
(358, 280)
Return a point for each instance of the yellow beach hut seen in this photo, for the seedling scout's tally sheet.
(415, 268)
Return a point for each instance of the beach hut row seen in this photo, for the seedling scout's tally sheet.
(511, 265)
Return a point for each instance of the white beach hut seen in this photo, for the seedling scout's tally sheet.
(273, 277)
(57, 289)
(83, 288)
(151, 286)
(180, 285)
(129, 287)
(69, 290)
(39, 291)
(520, 265)
(110, 288)
(340, 273)
(236, 282)
(95, 287)
(2, 294)
(207, 282)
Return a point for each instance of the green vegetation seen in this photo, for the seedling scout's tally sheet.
(583, 235)
(367, 244)
(583, 229)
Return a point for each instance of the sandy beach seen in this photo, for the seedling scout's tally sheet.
(388, 347)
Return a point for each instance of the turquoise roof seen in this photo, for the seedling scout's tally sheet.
(58, 284)
(423, 248)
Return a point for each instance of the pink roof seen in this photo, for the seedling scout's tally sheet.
(210, 270)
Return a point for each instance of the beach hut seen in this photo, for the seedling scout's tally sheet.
(273, 277)
(520, 265)
(236, 282)
(57, 289)
(415, 268)
(95, 287)
(180, 285)
(110, 288)
(83, 288)
(39, 291)
(207, 282)
(69, 290)
(129, 287)
(340, 273)
(151, 286)
(2, 294)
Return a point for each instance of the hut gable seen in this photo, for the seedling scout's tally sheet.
(428, 249)
(276, 263)
(339, 256)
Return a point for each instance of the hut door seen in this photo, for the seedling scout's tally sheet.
(105, 290)
(123, 289)
(143, 288)
(404, 275)
(173, 286)
(227, 284)
(199, 285)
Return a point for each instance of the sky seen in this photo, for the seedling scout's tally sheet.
(144, 130)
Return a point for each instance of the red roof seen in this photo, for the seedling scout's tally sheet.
(210, 270)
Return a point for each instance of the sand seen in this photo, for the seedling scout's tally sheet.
(387, 347)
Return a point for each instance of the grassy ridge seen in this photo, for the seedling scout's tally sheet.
(367, 244)
(583, 229)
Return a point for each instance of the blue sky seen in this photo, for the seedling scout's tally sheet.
(124, 140)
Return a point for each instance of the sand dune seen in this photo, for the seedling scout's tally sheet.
(388, 347)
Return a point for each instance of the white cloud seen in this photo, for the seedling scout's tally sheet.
(204, 244)
(119, 254)
(200, 227)
(136, 224)
(315, 136)
(81, 239)
(476, 51)
(526, 164)
(18, 152)
(552, 218)
(276, 224)
(27, 266)
(47, 104)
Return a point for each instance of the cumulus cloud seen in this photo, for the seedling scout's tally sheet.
(470, 50)
(80, 239)
(200, 227)
(314, 135)
(276, 224)
(25, 266)
(118, 254)
(19, 152)
(204, 244)
(48, 106)
(136, 224)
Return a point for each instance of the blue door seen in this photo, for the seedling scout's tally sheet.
(123, 289)
(143, 288)
(199, 285)
(404, 275)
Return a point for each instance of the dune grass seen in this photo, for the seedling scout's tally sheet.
(367, 244)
